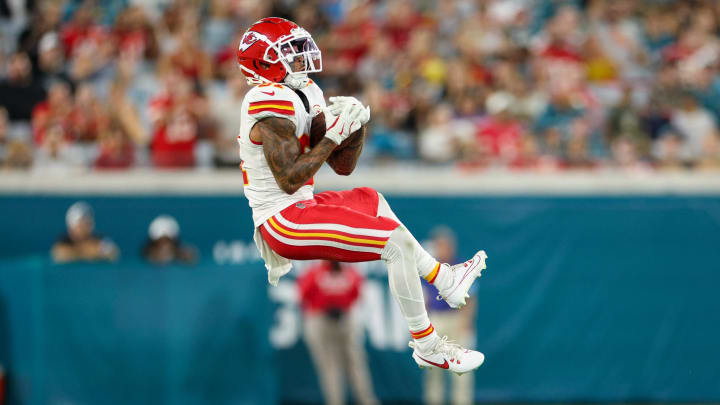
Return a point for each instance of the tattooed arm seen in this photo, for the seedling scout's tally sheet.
(290, 167)
(344, 160)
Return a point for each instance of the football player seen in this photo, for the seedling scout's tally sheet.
(292, 223)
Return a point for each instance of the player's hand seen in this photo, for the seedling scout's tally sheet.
(339, 126)
(338, 103)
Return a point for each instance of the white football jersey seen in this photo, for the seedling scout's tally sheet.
(266, 198)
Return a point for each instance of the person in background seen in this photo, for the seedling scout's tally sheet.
(81, 243)
(174, 123)
(445, 138)
(115, 149)
(14, 154)
(164, 245)
(328, 291)
(56, 109)
(56, 155)
(443, 245)
(19, 93)
(696, 124)
(51, 65)
(224, 107)
(499, 135)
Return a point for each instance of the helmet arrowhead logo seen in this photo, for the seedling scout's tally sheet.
(247, 40)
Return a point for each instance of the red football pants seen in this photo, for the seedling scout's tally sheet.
(334, 225)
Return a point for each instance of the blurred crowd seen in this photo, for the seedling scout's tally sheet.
(81, 243)
(519, 84)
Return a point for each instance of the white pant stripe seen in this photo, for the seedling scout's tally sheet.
(312, 242)
(334, 227)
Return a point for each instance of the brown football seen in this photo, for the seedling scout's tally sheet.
(317, 129)
(317, 132)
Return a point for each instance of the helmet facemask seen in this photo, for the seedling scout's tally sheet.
(298, 54)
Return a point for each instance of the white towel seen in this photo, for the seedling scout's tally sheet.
(276, 265)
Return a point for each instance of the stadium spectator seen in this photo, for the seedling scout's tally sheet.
(87, 44)
(188, 57)
(134, 33)
(51, 65)
(164, 245)
(80, 243)
(4, 125)
(126, 95)
(175, 126)
(19, 93)
(115, 149)
(219, 26)
(56, 155)
(498, 135)
(349, 40)
(444, 139)
(45, 19)
(710, 157)
(88, 116)
(583, 74)
(55, 110)
(14, 153)
(328, 292)
(668, 151)
(696, 124)
(443, 245)
(225, 102)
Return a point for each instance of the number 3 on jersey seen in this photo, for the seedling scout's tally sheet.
(244, 172)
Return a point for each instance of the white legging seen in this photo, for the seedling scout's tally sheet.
(424, 263)
(399, 254)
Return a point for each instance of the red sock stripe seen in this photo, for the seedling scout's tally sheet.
(423, 333)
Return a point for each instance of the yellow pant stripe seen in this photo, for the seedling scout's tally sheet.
(324, 235)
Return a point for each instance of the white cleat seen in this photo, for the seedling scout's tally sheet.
(464, 276)
(448, 356)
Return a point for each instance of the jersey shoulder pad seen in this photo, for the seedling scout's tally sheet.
(271, 100)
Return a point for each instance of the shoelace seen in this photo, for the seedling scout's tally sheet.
(439, 297)
(448, 347)
(444, 346)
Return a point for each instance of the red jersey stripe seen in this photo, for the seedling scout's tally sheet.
(275, 110)
(278, 102)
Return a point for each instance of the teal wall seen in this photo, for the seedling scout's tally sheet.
(584, 299)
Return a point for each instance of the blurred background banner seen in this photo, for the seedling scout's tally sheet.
(89, 334)
(586, 298)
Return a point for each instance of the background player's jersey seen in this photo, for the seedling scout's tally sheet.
(266, 198)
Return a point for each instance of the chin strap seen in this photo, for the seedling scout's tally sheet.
(297, 81)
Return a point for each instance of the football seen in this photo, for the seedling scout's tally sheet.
(317, 132)
(317, 129)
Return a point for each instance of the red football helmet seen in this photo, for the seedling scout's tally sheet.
(275, 50)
